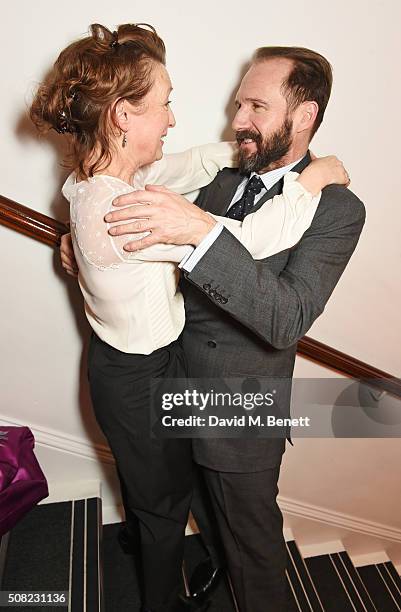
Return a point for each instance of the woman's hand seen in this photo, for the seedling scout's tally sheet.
(67, 255)
(323, 171)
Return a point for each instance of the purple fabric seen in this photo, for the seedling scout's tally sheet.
(22, 482)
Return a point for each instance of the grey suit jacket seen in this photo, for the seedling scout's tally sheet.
(245, 316)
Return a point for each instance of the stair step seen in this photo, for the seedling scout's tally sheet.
(302, 591)
(337, 591)
(3, 553)
(56, 547)
(350, 574)
(383, 584)
(59, 547)
(394, 574)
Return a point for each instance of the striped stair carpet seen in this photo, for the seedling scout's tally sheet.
(384, 585)
(302, 593)
(63, 547)
(324, 583)
(344, 588)
(56, 547)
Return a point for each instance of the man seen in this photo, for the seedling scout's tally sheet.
(260, 307)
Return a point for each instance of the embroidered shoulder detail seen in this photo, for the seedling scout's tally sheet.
(90, 201)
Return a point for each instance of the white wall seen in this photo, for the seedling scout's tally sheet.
(43, 329)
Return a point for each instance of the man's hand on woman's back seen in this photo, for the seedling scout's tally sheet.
(67, 256)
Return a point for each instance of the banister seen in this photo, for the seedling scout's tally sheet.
(350, 366)
(49, 231)
(31, 222)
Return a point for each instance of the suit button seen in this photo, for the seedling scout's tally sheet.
(212, 343)
(206, 286)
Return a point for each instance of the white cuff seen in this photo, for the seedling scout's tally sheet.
(189, 261)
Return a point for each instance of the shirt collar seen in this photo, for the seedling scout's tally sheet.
(271, 177)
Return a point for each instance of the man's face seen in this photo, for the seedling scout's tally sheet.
(263, 126)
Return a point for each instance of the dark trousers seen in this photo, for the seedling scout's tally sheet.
(155, 475)
(251, 528)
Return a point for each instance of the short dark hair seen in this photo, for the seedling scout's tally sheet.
(310, 78)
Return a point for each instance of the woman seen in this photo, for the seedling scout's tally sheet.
(109, 92)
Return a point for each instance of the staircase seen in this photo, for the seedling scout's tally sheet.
(56, 547)
(333, 584)
(63, 547)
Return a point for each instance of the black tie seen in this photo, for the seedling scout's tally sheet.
(240, 209)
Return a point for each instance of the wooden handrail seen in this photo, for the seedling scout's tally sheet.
(31, 223)
(48, 230)
(341, 362)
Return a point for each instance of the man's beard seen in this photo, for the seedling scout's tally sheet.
(268, 151)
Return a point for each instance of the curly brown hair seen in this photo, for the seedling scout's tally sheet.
(78, 95)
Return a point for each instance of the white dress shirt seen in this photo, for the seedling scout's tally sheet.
(268, 178)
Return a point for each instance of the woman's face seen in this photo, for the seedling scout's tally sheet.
(149, 124)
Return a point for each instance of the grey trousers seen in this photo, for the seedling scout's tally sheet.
(251, 528)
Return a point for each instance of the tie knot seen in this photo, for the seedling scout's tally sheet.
(254, 185)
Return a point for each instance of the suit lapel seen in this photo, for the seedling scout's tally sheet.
(226, 183)
(278, 187)
(273, 191)
(223, 191)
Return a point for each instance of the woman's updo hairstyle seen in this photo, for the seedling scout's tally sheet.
(85, 81)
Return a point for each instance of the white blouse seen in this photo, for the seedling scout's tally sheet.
(131, 299)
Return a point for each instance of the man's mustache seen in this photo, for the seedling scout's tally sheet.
(242, 135)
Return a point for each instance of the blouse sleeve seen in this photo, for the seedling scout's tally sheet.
(190, 170)
(93, 200)
(279, 224)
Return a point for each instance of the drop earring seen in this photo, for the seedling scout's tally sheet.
(124, 141)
